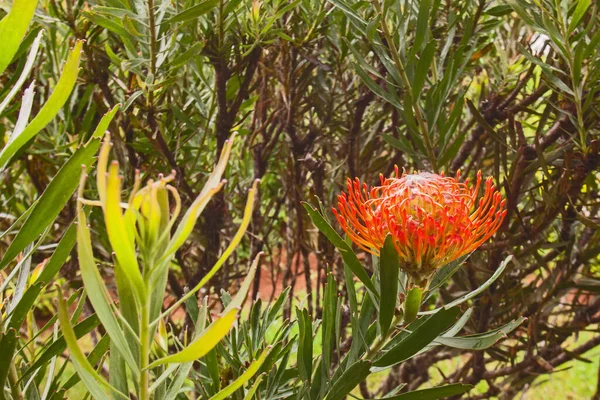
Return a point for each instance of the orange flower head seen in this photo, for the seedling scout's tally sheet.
(432, 219)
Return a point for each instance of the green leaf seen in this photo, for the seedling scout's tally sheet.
(440, 392)
(116, 228)
(92, 380)
(423, 69)
(24, 74)
(59, 345)
(330, 313)
(475, 292)
(352, 15)
(389, 265)
(251, 393)
(423, 335)
(348, 255)
(204, 343)
(57, 99)
(245, 377)
(480, 341)
(354, 375)
(580, 9)
(195, 11)
(375, 88)
(305, 345)
(13, 28)
(422, 23)
(53, 200)
(93, 358)
(8, 345)
(98, 292)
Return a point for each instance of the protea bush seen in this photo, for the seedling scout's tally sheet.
(141, 258)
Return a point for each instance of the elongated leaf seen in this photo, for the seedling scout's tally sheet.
(25, 73)
(204, 343)
(480, 341)
(330, 315)
(390, 97)
(59, 345)
(57, 99)
(195, 11)
(352, 15)
(254, 388)
(93, 358)
(305, 345)
(423, 69)
(389, 265)
(57, 193)
(13, 28)
(348, 255)
(8, 344)
(93, 381)
(98, 293)
(212, 186)
(228, 251)
(121, 242)
(419, 338)
(475, 292)
(440, 392)
(245, 377)
(354, 375)
(242, 294)
(580, 9)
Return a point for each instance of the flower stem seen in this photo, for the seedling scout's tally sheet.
(145, 352)
(382, 340)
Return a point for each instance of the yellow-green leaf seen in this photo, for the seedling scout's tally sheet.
(13, 28)
(92, 380)
(204, 343)
(212, 186)
(116, 229)
(57, 99)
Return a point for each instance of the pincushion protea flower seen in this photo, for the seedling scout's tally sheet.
(433, 219)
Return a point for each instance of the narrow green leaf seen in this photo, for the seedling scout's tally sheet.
(52, 201)
(8, 344)
(98, 293)
(93, 381)
(580, 9)
(13, 28)
(440, 392)
(204, 343)
(389, 265)
(251, 393)
(423, 69)
(57, 99)
(194, 12)
(352, 15)
(348, 255)
(305, 345)
(483, 340)
(59, 345)
(422, 23)
(475, 292)
(419, 338)
(354, 375)
(24, 74)
(375, 88)
(93, 358)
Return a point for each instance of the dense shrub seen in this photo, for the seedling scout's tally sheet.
(316, 91)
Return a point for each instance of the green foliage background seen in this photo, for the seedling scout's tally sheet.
(318, 91)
